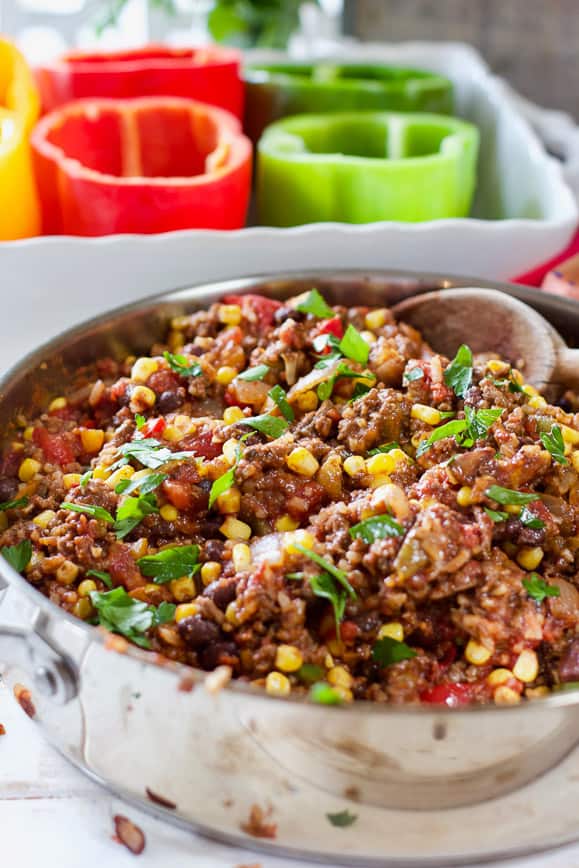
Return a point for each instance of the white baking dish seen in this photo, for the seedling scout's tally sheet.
(524, 214)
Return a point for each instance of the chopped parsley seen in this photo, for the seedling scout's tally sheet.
(512, 384)
(181, 365)
(221, 485)
(360, 389)
(316, 305)
(148, 452)
(386, 447)
(271, 426)
(324, 694)
(145, 484)
(328, 567)
(326, 388)
(309, 673)
(538, 589)
(132, 511)
(279, 397)
(253, 374)
(377, 527)
(88, 509)
(171, 563)
(13, 504)
(342, 819)
(387, 651)
(554, 443)
(458, 375)
(85, 478)
(353, 346)
(120, 613)
(496, 515)
(506, 496)
(325, 586)
(139, 421)
(474, 426)
(19, 555)
(413, 375)
(103, 576)
(529, 519)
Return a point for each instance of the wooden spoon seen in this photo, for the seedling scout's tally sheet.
(492, 321)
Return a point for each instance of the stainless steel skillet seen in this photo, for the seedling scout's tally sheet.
(418, 779)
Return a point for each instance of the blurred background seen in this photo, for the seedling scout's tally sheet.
(533, 43)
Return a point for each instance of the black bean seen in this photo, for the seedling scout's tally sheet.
(569, 663)
(197, 632)
(169, 401)
(216, 654)
(8, 488)
(214, 549)
(221, 592)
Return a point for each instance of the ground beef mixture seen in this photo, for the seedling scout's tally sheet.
(314, 498)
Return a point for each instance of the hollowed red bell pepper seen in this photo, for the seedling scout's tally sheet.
(141, 166)
(210, 75)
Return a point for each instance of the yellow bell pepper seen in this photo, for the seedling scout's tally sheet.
(19, 110)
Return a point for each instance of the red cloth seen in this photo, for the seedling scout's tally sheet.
(537, 275)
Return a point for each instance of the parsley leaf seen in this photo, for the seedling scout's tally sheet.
(328, 567)
(325, 389)
(479, 421)
(386, 447)
(271, 426)
(342, 819)
(87, 509)
(538, 589)
(512, 384)
(324, 694)
(278, 395)
(412, 375)
(181, 365)
(529, 519)
(450, 429)
(377, 527)
(221, 485)
(474, 426)
(120, 613)
(315, 304)
(19, 555)
(506, 496)
(171, 563)
(458, 375)
(13, 504)
(145, 484)
(554, 443)
(353, 346)
(325, 586)
(387, 651)
(132, 511)
(496, 515)
(253, 374)
(103, 576)
(139, 421)
(85, 479)
(148, 452)
(360, 389)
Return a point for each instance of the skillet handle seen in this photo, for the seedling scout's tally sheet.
(52, 673)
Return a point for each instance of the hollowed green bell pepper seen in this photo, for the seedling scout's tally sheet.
(274, 91)
(365, 166)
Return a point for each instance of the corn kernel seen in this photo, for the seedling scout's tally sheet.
(301, 537)
(225, 375)
(232, 528)
(28, 432)
(142, 398)
(92, 439)
(354, 465)
(428, 415)
(125, 472)
(504, 695)
(464, 496)
(495, 366)
(575, 460)
(307, 401)
(232, 415)
(28, 469)
(185, 610)
(301, 461)
(379, 481)
(476, 653)
(66, 573)
(241, 556)
(381, 464)
(173, 434)
(537, 692)
(517, 377)
(230, 450)
(394, 630)
(285, 523)
(570, 435)
(101, 472)
(183, 589)
(393, 498)
(344, 693)
(231, 613)
(369, 337)
(338, 676)
(526, 668)
(168, 512)
(537, 402)
(70, 480)
(175, 341)
(498, 677)
(288, 658)
(229, 502)
(512, 508)
(229, 314)
(44, 518)
(277, 684)
(417, 438)
(57, 404)
(210, 572)
(530, 390)
(529, 557)
(83, 609)
(375, 319)
(399, 457)
(142, 369)
(86, 587)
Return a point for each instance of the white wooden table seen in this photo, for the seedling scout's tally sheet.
(54, 817)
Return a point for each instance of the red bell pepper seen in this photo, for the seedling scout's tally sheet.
(210, 75)
(148, 165)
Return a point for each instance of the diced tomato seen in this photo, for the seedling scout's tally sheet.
(123, 569)
(451, 695)
(333, 326)
(153, 427)
(263, 308)
(56, 447)
(348, 631)
(202, 445)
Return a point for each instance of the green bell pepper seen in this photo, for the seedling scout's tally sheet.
(277, 90)
(365, 166)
